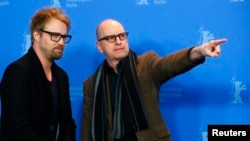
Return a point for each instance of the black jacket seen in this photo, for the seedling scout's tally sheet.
(27, 105)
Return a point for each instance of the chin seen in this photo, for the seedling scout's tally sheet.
(57, 57)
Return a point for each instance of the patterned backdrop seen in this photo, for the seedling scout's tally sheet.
(216, 92)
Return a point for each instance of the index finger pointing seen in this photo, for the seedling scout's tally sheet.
(219, 41)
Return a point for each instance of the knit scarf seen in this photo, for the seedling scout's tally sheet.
(129, 114)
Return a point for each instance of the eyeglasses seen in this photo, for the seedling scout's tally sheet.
(56, 37)
(112, 38)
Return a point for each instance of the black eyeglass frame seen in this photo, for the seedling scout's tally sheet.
(66, 38)
(112, 38)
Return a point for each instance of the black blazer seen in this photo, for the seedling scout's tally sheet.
(27, 105)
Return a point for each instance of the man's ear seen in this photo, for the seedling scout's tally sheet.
(99, 47)
(36, 35)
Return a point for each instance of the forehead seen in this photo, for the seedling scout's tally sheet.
(56, 25)
(110, 27)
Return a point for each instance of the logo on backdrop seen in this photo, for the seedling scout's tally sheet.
(236, 93)
(203, 134)
(160, 2)
(56, 3)
(26, 42)
(74, 3)
(205, 36)
(145, 2)
(237, 0)
(141, 2)
(170, 92)
(4, 3)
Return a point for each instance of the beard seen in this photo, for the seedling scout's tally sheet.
(57, 53)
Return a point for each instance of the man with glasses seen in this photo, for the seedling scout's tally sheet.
(35, 90)
(121, 97)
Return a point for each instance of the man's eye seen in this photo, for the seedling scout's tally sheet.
(56, 35)
(110, 37)
(122, 35)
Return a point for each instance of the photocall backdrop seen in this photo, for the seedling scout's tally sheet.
(217, 92)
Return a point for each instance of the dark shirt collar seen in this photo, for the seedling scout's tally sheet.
(110, 69)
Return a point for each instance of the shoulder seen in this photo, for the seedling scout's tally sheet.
(88, 80)
(18, 66)
(148, 56)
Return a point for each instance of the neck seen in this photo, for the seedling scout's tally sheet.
(113, 64)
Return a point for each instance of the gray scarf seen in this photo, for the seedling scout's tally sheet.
(129, 114)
